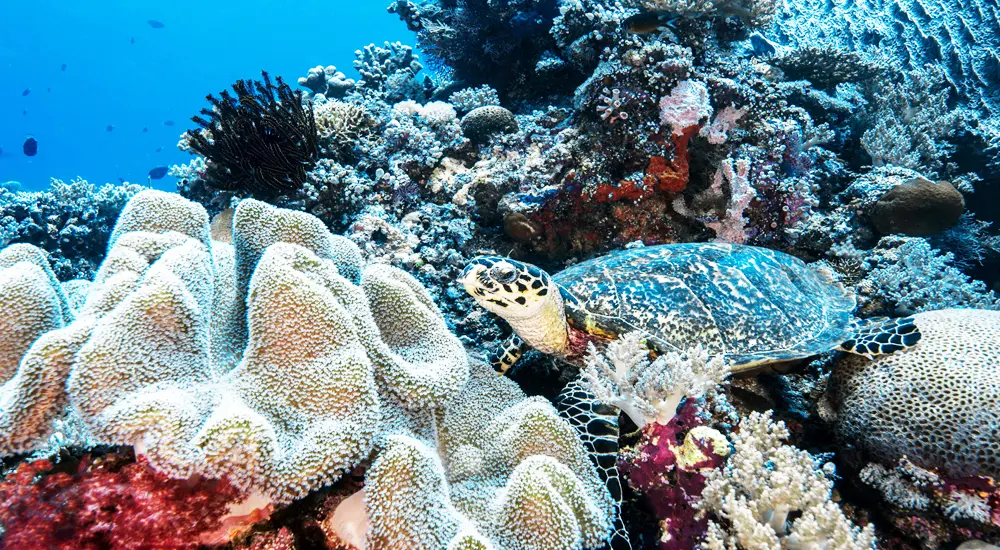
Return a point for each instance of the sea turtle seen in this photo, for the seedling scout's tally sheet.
(754, 305)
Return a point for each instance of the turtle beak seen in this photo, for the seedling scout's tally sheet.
(468, 278)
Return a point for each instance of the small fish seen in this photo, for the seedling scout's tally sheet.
(144, 130)
(648, 22)
(168, 123)
(155, 24)
(24, 112)
(109, 128)
(63, 68)
(30, 147)
(158, 172)
(158, 149)
(121, 179)
(26, 92)
(48, 89)
(132, 41)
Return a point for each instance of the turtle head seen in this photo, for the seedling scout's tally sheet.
(525, 296)
(509, 288)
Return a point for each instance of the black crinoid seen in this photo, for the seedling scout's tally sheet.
(262, 141)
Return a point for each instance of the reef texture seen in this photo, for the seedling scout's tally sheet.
(70, 221)
(278, 363)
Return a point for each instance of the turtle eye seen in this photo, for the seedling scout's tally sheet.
(503, 273)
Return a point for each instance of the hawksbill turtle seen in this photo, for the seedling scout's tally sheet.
(755, 306)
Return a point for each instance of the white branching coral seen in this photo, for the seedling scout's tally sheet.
(649, 391)
(762, 484)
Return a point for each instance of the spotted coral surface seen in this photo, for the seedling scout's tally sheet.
(938, 403)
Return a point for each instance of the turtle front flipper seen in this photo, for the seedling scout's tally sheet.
(508, 353)
(597, 426)
(881, 336)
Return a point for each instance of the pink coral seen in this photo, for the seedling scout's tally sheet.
(672, 485)
(104, 504)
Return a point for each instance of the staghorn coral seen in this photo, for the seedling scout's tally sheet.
(649, 391)
(935, 404)
(108, 502)
(500, 470)
(150, 356)
(262, 141)
(765, 481)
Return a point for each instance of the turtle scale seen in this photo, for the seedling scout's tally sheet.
(755, 305)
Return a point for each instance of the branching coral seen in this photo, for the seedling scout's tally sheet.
(908, 276)
(340, 124)
(70, 221)
(826, 66)
(762, 484)
(262, 141)
(649, 391)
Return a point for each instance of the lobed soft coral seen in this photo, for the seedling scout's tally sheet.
(153, 357)
(493, 469)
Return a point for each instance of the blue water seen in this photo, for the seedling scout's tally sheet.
(164, 75)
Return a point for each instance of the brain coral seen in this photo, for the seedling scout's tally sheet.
(155, 357)
(502, 471)
(937, 403)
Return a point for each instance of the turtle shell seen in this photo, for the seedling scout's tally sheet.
(757, 306)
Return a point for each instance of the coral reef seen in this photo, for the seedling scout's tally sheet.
(70, 221)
